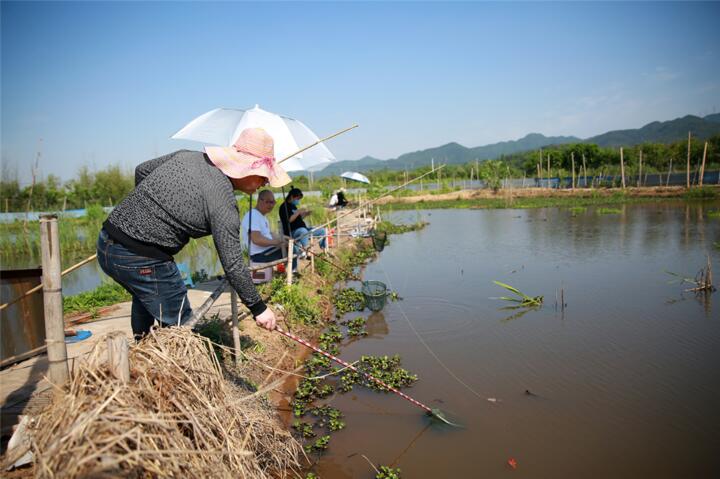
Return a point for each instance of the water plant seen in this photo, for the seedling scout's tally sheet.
(609, 211)
(384, 368)
(304, 429)
(522, 299)
(576, 210)
(387, 472)
(348, 299)
(356, 327)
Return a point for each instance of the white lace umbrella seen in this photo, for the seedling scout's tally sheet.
(355, 176)
(222, 126)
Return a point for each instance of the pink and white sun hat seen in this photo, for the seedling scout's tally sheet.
(252, 154)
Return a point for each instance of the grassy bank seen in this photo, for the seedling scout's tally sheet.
(522, 199)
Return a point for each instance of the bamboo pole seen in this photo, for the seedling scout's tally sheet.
(702, 167)
(235, 324)
(312, 255)
(667, 182)
(317, 142)
(572, 158)
(639, 181)
(39, 287)
(584, 170)
(52, 298)
(118, 360)
(539, 174)
(622, 168)
(288, 268)
(369, 203)
(687, 181)
(548, 170)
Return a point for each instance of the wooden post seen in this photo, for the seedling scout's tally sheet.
(7, 204)
(288, 269)
(118, 361)
(337, 229)
(687, 183)
(639, 181)
(667, 183)
(548, 170)
(622, 167)
(52, 297)
(584, 171)
(572, 158)
(539, 174)
(312, 254)
(235, 324)
(702, 167)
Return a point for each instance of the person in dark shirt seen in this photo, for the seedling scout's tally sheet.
(183, 195)
(293, 223)
(341, 201)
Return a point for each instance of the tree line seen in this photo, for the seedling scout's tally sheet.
(108, 186)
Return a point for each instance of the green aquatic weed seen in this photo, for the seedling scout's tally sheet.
(386, 472)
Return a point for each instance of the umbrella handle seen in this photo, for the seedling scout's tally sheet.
(350, 366)
(319, 141)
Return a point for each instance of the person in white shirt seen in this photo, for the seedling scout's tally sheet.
(255, 231)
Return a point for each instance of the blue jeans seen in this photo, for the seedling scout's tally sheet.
(158, 291)
(320, 232)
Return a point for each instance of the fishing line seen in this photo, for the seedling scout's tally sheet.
(429, 349)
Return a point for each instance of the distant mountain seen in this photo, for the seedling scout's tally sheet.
(454, 153)
(715, 118)
(661, 132)
(451, 153)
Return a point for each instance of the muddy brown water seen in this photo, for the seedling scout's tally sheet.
(625, 381)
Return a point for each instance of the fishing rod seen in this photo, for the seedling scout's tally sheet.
(436, 413)
(369, 202)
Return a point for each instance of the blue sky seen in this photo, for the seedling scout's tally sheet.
(108, 83)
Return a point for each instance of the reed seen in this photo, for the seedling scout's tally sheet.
(177, 417)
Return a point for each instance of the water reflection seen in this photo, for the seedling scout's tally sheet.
(376, 325)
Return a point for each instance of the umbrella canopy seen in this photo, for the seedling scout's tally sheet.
(222, 126)
(355, 176)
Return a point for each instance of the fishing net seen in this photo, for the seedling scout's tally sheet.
(375, 293)
(379, 239)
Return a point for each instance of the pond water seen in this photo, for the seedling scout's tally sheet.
(624, 382)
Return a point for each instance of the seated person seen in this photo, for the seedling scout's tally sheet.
(341, 201)
(263, 248)
(333, 200)
(292, 221)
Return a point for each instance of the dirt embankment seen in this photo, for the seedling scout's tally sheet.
(633, 192)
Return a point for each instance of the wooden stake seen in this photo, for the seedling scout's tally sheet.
(235, 324)
(289, 269)
(702, 167)
(548, 170)
(572, 158)
(584, 171)
(667, 183)
(312, 254)
(687, 182)
(622, 167)
(118, 360)
(639, 181)
(53, 301)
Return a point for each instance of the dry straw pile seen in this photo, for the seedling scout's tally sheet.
(177, 417)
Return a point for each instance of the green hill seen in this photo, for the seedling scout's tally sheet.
(455, 153)
(661, 132)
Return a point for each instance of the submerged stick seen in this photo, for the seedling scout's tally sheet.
(431, 412)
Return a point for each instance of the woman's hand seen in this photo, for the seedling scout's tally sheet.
(266, 319)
